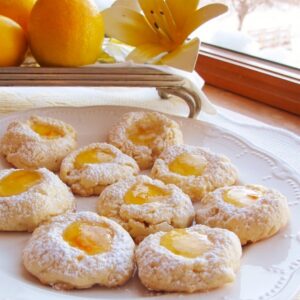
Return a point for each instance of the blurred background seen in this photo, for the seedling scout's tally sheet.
(269, 29)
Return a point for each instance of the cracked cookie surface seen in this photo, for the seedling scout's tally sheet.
(144, 135)
(90, 169)
(252, 212)
(195, 170)
(198, 258)
(30, 197)
(79, 250)
(144, 206)
(38, 142)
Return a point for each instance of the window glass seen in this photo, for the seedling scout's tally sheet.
(268, 29)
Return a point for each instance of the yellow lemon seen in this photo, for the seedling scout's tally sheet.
(17, 10)
(65, 33)
(13, 43)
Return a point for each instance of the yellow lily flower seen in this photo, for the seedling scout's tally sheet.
(159, 34)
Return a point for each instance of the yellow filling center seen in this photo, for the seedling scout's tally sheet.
(93, 156)
(142, 193)
(46, 131)
(91, 238)
(241, 196)
(187, 164)
(144, 132)
(182, 243)
(18, 182)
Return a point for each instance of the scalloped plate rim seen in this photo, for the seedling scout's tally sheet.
(293, 174)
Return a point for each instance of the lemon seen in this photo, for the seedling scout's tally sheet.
(17, 10)
(13, 43)
(65, 33)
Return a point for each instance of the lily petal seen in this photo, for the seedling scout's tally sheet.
(145, 52)
(184, 57)
(181, 10)
(201, 16)
(128, 26)
(132, 4)
(148, 7)
(165, 19)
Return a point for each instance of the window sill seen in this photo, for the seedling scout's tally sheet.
(253, 109)
(269, 83)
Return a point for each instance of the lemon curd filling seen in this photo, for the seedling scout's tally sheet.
(46, 131)
(93, 156)
(18, 182)
(91, 238)
(144, 133)
(142, 193)
(241, 196)
(182, 243)
(187, 164)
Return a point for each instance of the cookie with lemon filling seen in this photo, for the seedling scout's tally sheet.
(144, 135)
(144, 206)
(195, 170)
(253, 212)
(198, 258)
(30, 197)
(38, 142)
(80, 250)
(90, 169)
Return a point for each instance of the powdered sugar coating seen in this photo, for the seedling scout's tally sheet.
(54, 262)
(24, 148)
(145, 155)
(93, 178)
(161, 270)
(167, 212)
(260, 220)
(24, 212)
(218, 172)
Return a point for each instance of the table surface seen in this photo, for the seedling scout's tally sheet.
(254, 109)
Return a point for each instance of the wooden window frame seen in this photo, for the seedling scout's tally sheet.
(254, 78)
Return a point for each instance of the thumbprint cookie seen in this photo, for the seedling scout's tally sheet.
(195, 170)
(90, 169)
(79, 250)
(144, 206)
(198, 258)
(252, 212)
(144, 135)
(39, 142)
(30, 197)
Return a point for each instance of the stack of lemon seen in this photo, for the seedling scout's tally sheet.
(65, 33)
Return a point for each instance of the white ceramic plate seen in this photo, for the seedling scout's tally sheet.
(270, 269)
